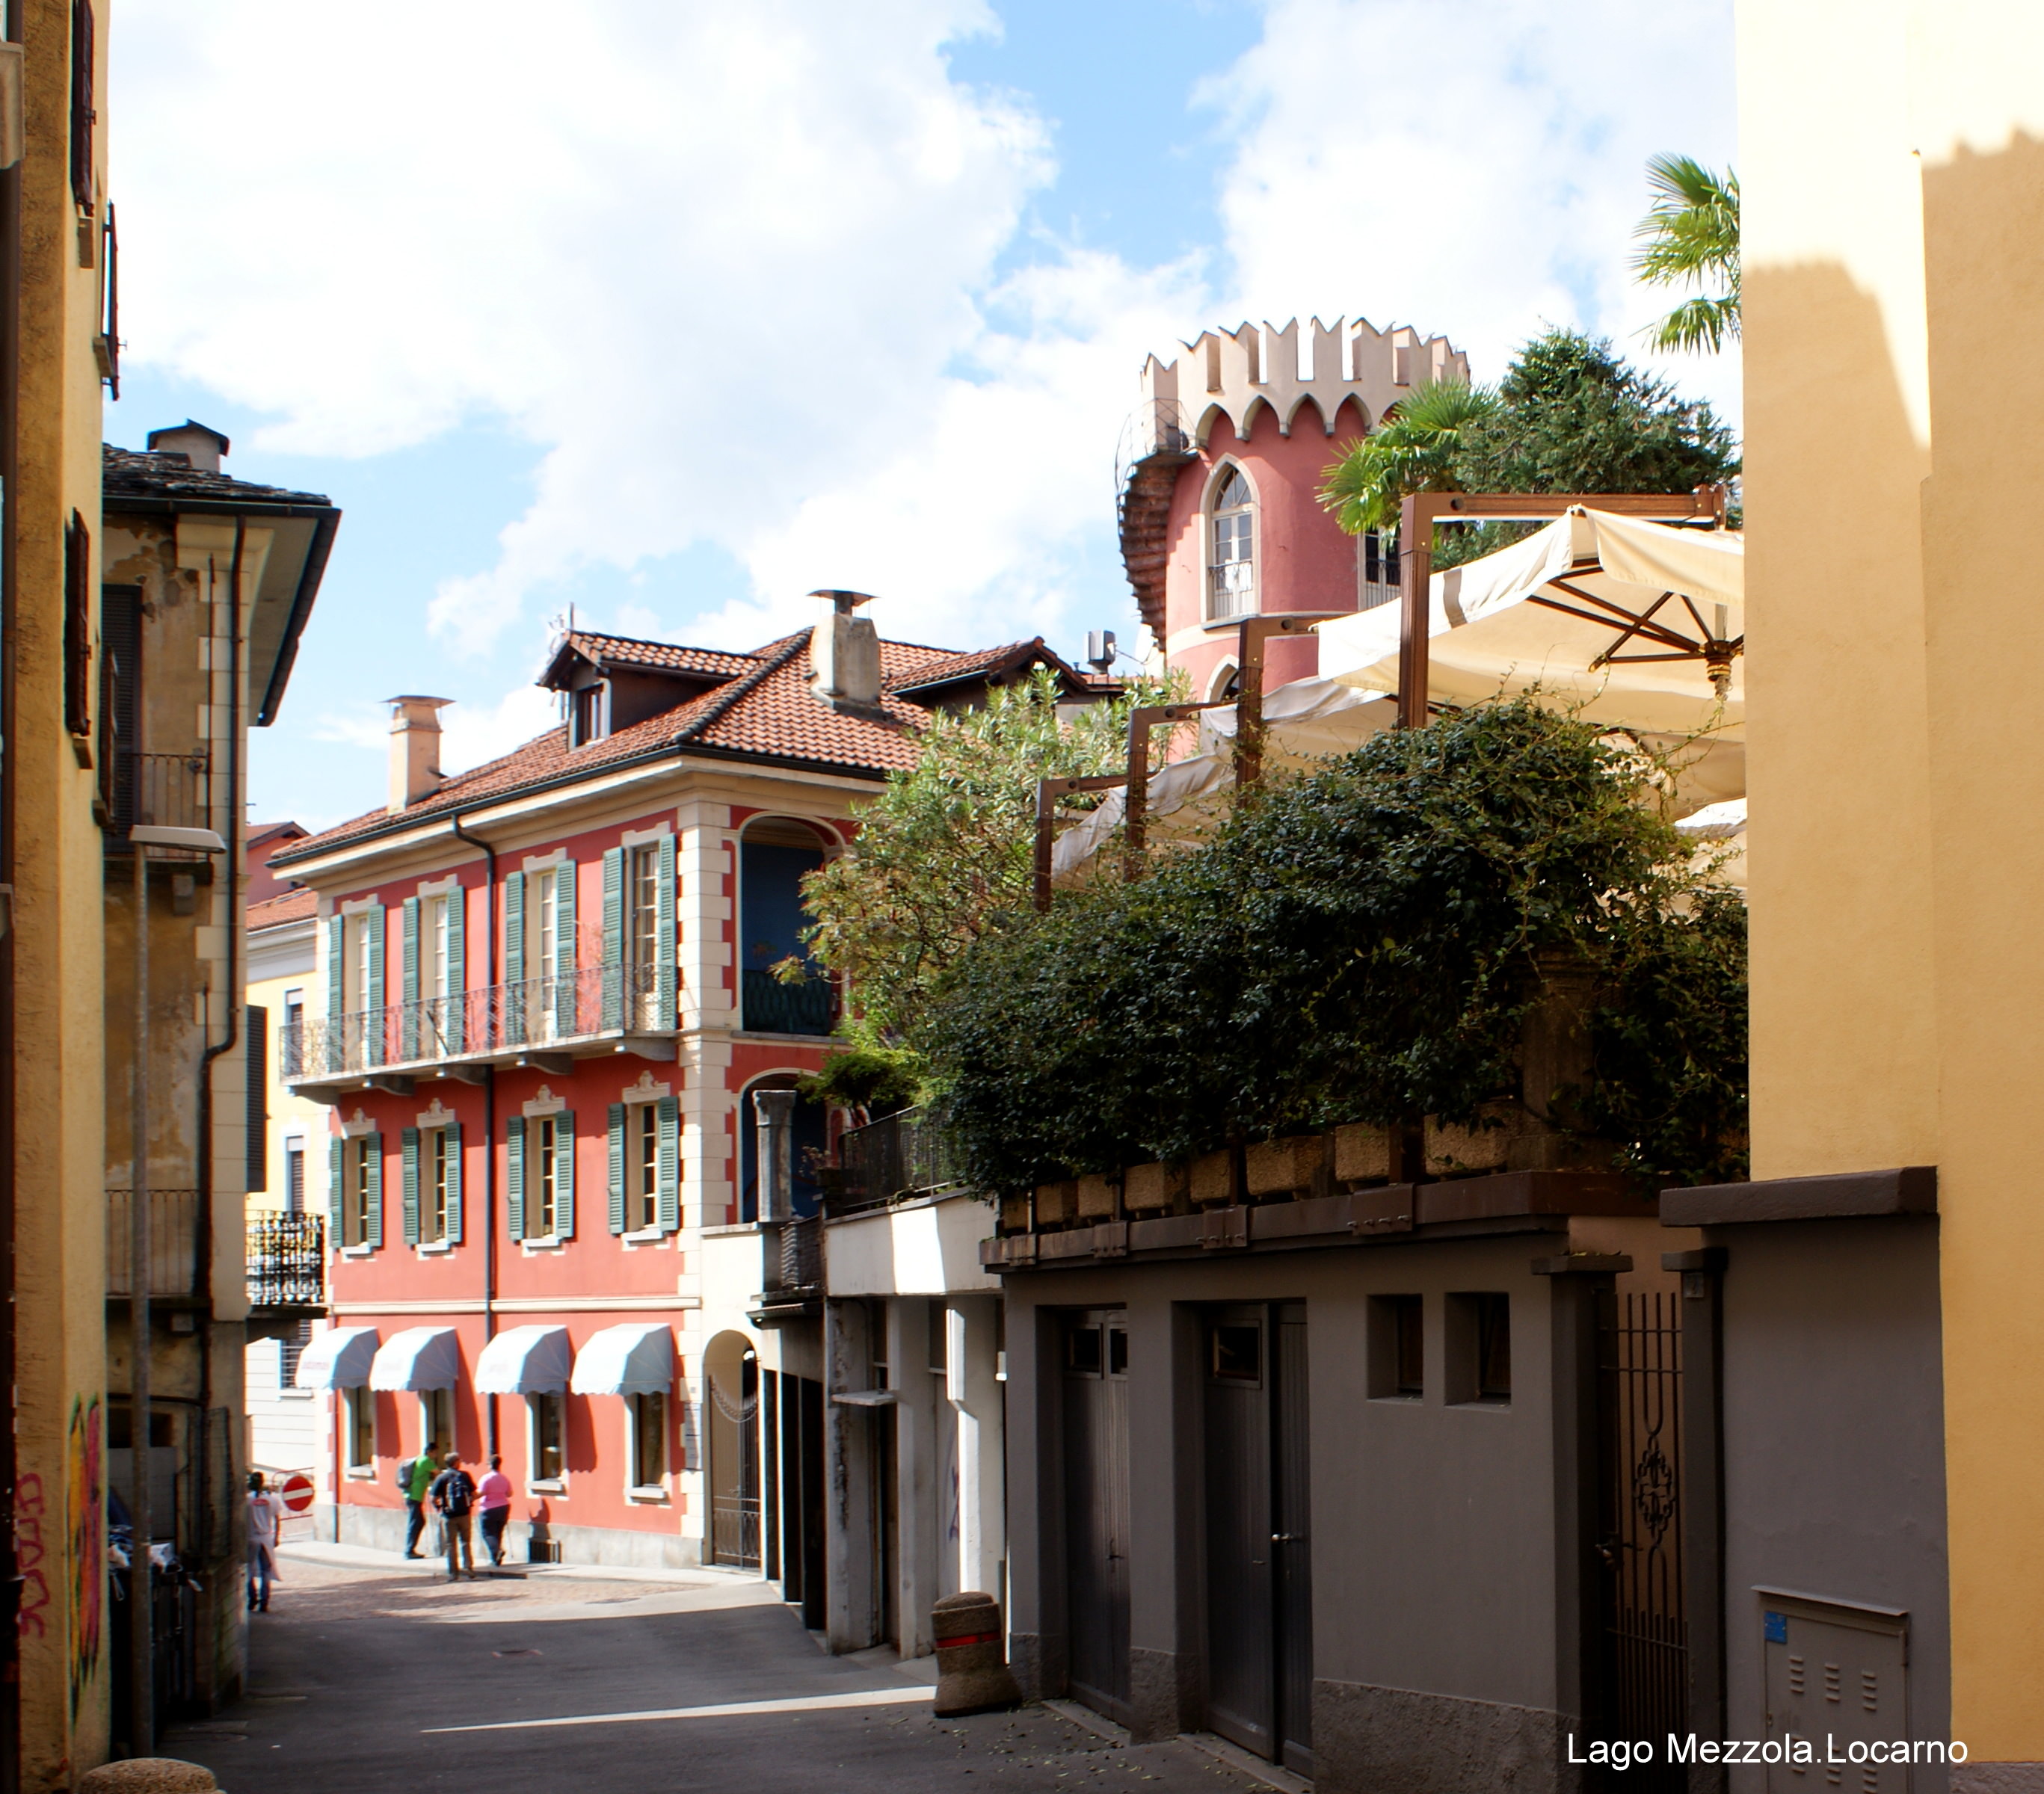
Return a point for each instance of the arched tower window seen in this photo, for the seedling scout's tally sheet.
(1231, 548)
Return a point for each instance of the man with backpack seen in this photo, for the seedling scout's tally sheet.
(454, 1495)
(415, 1477)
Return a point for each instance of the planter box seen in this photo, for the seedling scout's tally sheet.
(1095, 1197)
(1362, 1155)
(1056, 1203)
(1212, 1179)
(1277, 1167)
(1015, 1214)
(1148, 1189)
(1454, 1152)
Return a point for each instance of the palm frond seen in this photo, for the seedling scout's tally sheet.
(1690, 237)
(1412, 450)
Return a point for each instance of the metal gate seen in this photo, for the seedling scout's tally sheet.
(1645, 1659)
(1095, 1351)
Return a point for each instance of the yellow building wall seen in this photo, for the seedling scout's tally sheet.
(1893, 158)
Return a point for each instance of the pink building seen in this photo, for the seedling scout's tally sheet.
(1220, 470)
(548, 1003)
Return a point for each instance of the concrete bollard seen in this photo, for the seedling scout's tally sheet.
(973, 1676)
(148, 1775)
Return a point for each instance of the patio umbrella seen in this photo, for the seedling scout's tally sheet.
(1624, 621)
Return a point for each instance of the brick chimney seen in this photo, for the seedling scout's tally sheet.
(203, 448)
(415, 750)
(845, 654)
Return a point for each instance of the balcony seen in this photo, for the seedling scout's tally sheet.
(771, 1007)
(898, 1159)
(593, 1011)
(174, 1243)
(286, 1263)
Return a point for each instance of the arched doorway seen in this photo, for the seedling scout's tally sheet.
(731, 1401)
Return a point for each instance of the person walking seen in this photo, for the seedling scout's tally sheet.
(453, 1493)
(493, 1496)
(266, 1510)
(415, 1477)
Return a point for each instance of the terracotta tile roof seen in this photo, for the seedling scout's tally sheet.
(287, 906)
(768, 713)
(665, 657)
(129, 473)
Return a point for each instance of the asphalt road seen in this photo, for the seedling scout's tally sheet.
(364, 1679)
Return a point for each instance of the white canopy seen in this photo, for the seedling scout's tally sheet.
(419, 1359)
(634, 1358)
(339, 1358)
(1610, 615)
(525, 1360)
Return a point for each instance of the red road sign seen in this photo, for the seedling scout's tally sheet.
(297, 1490)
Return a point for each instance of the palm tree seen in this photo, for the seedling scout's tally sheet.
(1413, 451)
(1691, 239)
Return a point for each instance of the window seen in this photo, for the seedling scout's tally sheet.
(643, 932)
(1376, 570)
(1231, 562)
(437, 1422)
(291, 1349)
(1479, 1346)
(295, 1177)
(642, 1172)
(358, 1427)
(359, 1168)
(542, 1198)
(585, 715)
(1237, 1353)
(433, 944)
(647, 1415)
(1397, 1348)
(438, 1174)
(547, 1454)
(291, 1042)
(543, 919)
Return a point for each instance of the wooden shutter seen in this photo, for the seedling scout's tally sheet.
(670, 1185)
(336, 1179)
(257, 1023)
(78, 631)
(514, 957)
(409, 1142)
(337, 989)
(374, 995)
(408, 983)
(372, 1147)
(454, 1183)
(663, 940)
(454, 1025)
(566, 1023)
(84, 111)
(564, 1174)
(514, 1175)
(614, 969)
(617, 1167)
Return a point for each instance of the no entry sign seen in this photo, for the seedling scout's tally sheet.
(297, 1490)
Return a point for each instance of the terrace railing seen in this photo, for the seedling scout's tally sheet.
(894, 1159)
(286, 1261)
(771, 1007)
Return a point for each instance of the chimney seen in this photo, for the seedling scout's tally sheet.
(202, 447)
(845, 654)
(415, 750)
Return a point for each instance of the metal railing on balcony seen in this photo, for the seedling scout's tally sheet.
(174, 1242)
(286, 1261)
(607, 998)
(897, 1158)
(771, 1007)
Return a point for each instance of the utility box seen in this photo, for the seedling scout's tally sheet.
(1838, 1676)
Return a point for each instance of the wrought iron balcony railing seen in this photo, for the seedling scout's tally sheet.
(174, 1242)
(286, 1261)
(893, 1159)
(771, 1007)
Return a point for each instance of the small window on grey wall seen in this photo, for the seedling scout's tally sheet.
(1397, 1348)
(1480, 1348)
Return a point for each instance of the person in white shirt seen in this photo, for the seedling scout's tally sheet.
(265, 1510)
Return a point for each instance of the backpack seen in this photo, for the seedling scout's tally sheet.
(405, 1476)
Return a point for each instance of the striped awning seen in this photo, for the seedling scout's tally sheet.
(636, 1358)
(525, 1360)
(419, 1359)
(339, 1358)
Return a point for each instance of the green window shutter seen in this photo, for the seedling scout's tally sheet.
(374, 1043)
(409, 1148)
(337, 1170)
(669, 1186)
(372, 1145)
(613, 939)
(454, 1183)
(453, 1025)
(514, 1175)
(408, 983)
(564, 1174)
(617, 1167)
(337, 989)
(566, 1022)
(514, 957)
(663, 939)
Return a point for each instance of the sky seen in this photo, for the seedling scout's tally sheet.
(672, 311)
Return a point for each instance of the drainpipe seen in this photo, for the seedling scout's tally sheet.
(489, 1105)
(141, 1590)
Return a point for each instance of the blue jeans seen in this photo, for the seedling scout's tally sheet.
(259, 1576)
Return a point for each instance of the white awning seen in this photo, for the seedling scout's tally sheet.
(339, 1358)
(420, 1357)
(525, 1360)
(1610, 615)
(636, 1358)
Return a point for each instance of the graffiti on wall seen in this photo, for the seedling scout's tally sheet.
(29, 1554)
(85, 1504)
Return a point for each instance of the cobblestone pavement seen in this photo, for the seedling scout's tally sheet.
(367, 1679)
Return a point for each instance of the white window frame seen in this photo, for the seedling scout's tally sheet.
(1243, 599)
(428, 1399)
(355, 1151)
(637, 1487)
(356, 1404)
(535, 1483)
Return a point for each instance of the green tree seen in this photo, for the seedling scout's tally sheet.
(1414, 450)
(1690, 238)
(946, 852)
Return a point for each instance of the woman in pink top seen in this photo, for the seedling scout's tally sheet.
(493, 1495)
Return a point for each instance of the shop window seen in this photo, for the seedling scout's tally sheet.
(547, 1452)
(648, 1417)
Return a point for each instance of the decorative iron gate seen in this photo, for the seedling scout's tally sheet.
(1646, 1654)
